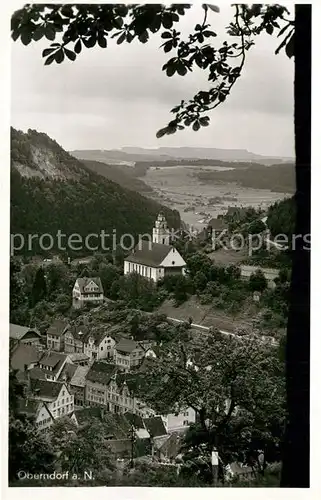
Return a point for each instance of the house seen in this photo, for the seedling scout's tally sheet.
(87, 290)
(155, 259)
(270, 274)
(128, 354)
(77, 384)
(73, 339)
(180, 421)
(24, 334)
(98, 344)
(107, 387)
(24, 357)
(51, 363)
(55, 335)
(239, 471)
(37, 411)
(59, 400)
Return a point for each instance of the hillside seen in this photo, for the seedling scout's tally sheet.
(277, 178)
(121, 174)
(51, 191)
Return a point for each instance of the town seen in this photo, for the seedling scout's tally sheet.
(91, 363)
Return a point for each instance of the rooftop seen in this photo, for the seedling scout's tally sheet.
(58, 327)
(155, 426)
(18, 332)
(126, 345)
(24, 355)
(85, 281)
(45, 389)
(149, 254)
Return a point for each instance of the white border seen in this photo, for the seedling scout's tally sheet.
(159, 493)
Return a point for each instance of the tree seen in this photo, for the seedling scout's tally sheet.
(235, 385)
(28, 449)
(39, 288)
(257, 282)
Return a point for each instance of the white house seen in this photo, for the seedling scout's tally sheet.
(87, 291)
(178, 422)
(155, 259)
(59, 400)
(128, 354)
(38, 411)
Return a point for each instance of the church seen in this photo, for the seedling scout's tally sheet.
(158, 258)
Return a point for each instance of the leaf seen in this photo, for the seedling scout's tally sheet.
(214, 8)
(196, 126)
(70, 54)
(269, 29)
(67, 11)
(38, 33)
(170, 70)
(143, 37)
(181, 69)
(166, 34)
(15, 35)
(50, 32)
(50, 59)
(102, 42)
(167, 20)
(161, 133)
(78, 46)
(284, 29)
(59, 56)
(121, 39)
(204, 121)
(46, 52)
(90, 42)
(26, 37)
(168, 46)
(289, 49)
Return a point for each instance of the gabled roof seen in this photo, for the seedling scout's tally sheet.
(101, 372)
(24, 355)
(67, 372)
(52, 360)
(155, 426)
(47, 390)
(18, 332)
(134, 420)
(83, 282)
(79, 377)
(78, 356)
(126, 345)
(149, 254)
(58, 327)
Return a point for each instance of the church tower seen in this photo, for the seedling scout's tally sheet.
(160, 230)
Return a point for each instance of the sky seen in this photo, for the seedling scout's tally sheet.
(119, 96)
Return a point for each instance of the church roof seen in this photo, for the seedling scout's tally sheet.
(149, 254)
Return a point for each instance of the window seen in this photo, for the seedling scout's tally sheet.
(102, 348)
(185, 414)
(185, 422)
(63, 393)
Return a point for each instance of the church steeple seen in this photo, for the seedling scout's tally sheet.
(160, 230)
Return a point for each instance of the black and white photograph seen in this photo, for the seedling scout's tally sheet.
(160, 240)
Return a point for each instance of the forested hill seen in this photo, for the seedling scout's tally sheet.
(51, 190)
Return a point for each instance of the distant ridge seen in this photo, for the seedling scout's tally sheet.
(129, 155)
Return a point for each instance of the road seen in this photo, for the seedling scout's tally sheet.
(207, 328)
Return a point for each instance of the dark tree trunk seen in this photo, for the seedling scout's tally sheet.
(295, 472)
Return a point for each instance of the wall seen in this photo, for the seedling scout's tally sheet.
(176, 422)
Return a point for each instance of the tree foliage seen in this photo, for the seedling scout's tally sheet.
(235, 385)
